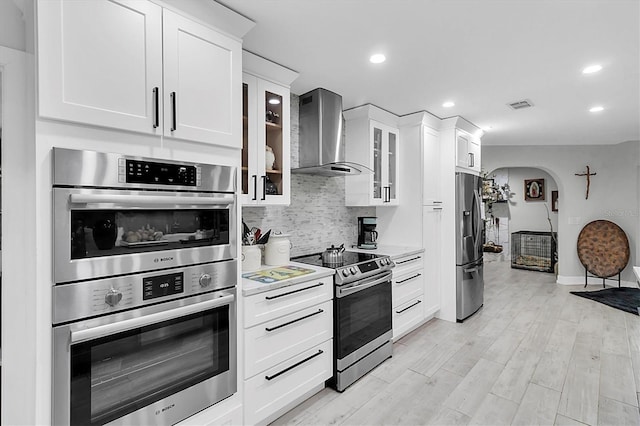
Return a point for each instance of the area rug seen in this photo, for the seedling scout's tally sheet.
(623, 298)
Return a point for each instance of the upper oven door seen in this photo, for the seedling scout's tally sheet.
(102, 232)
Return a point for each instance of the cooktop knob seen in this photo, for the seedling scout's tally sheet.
(205, 280)
(345, 272)
(353, 270)
(113, 297)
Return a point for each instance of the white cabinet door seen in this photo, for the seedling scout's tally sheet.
(266, 156)
(467, 151)
(100, 63)
(432, 224)
(202, 83)
(432, 171)
(384, 147)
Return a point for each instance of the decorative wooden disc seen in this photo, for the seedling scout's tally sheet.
(603, 248)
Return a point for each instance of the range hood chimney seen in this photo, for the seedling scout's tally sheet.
(321, 136)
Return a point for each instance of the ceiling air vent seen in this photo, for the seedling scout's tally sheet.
(526, 103)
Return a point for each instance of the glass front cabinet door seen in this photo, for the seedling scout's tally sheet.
(265, 142)
(384, 151)
(374, 144)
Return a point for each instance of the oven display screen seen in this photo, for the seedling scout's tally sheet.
(161, 173)
(369, 266)
(162, 285)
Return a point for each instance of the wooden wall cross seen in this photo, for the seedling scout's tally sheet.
(588, 174)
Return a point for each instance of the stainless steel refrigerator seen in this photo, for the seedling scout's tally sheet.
(469, 241)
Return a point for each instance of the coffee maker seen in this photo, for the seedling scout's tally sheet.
(367, 234)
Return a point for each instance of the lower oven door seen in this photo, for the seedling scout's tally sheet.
(155, 365)
(363, 312)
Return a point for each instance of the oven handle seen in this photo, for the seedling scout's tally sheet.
(342, 292)
(125, 325)
(151, 200)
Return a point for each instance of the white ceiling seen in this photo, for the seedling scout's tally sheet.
(480, 54)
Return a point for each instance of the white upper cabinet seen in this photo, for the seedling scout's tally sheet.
(467, 151)
(135, 66)
(431, 167)
(375, 144)
(266, 156)
(202, 82)
(100, 62)
(266, 132)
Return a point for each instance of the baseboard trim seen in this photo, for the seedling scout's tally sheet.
(577, 280)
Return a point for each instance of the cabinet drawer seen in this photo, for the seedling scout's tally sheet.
(277, 340)
(407, 316)
(272, 304)
(407, 287)
(276, 388)
(407, 263)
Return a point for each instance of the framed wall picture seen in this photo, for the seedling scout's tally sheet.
(534, 190)
(554, 201)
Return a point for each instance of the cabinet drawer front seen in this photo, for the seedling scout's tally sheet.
(407, 316)
(269, 305)
(407, 287)
(276, 388)
(407, 263)
(275, 341)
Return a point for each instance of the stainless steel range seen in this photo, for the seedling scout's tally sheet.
(362, 313)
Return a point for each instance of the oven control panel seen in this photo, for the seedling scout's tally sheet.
(139, 171)
(104, 296)
(348, 274)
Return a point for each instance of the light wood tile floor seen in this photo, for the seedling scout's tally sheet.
(533, 355)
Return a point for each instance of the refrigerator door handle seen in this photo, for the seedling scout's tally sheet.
(478, 215)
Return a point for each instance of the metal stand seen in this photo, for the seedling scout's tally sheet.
(586, 276)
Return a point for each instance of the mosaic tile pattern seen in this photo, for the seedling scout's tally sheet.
(317, 216)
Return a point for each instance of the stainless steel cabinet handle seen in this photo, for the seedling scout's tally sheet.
(408, 260)
(408, 307)
(294, 291)
(174, 125)
(294, 321)
(437, 202)
(118, 327)
(471, 160)
(320, 352)
(408, 279)
(264, 188)
(156, 108)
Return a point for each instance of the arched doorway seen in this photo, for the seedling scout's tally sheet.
(522, 203)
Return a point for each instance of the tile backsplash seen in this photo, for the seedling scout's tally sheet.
(317, 216)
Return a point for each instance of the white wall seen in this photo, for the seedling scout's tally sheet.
(12, 26)
(613, 196)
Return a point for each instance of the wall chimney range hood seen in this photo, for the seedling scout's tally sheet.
(321, 136)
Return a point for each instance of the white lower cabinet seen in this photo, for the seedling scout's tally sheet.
(288, 347)
(269, 394)
(408, 294)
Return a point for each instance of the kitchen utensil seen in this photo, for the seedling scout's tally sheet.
(264, 238)
(277, 250)
(245, 229)
(333, 255)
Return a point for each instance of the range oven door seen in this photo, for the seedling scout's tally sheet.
(155, 365)
(101, 232)
(363, 313)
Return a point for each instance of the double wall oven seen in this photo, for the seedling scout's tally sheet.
(362, 314)
(144, 301)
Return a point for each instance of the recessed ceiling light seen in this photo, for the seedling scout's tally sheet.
(448, 104)
(378, 58)
(596, 109)
(591, 69)
(274, 101)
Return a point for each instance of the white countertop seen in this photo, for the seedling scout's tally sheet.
(393, 251)
(636, 270)
(250, 287)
